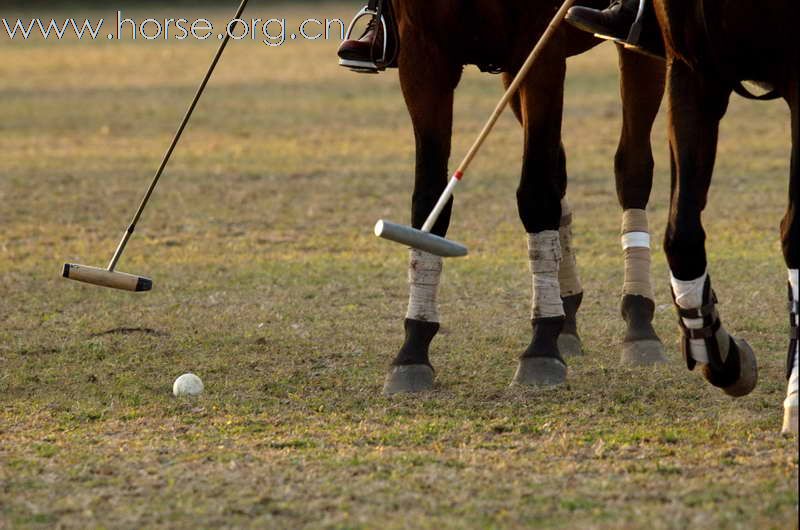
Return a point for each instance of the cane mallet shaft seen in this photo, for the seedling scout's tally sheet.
(108, 277)
(174, 143)
(498, 111)
(423, 239)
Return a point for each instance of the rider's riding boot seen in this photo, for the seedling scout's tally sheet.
(357, 53)
(373, 51)
(614, 22)
(628, 22)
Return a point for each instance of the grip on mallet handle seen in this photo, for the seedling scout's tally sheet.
(107, 278)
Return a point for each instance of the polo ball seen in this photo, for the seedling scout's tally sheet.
(187, 385)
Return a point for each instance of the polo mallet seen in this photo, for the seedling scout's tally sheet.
(423, 239)
(109, 277)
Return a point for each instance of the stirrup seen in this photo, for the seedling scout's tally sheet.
(374, 66)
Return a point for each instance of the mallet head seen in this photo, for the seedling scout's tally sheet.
(418, 239)
(107, 278)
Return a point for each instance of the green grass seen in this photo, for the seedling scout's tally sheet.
(270, 286)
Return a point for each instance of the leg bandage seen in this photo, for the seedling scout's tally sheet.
(689, 295)
(568, 271)
(792, 364)
(636, 246)
(544, 252)
(424, 271)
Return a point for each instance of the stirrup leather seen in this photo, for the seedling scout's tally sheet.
(794, 335)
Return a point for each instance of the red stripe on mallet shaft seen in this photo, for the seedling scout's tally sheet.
(458, 175)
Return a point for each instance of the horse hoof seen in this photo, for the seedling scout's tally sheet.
(748, 371)
(408, 379)
(540, 371)
(570, 345)
(643, 353)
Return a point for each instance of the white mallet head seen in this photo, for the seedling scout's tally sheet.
(418, 239)
(187, 385)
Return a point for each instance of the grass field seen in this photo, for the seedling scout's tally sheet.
(271, 287)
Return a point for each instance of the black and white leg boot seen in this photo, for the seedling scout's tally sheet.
(790, 405)
(725, 361)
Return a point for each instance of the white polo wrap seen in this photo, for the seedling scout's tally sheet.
(636, 247)
(568, 271)
(544, 252)
(689, 295)
(635, 240)
(424, 272)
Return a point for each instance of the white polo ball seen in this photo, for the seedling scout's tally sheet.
(187, 385)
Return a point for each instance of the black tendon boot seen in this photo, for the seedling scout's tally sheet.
(731, 362)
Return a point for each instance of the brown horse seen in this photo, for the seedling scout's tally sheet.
(437, 39)
(714, 45)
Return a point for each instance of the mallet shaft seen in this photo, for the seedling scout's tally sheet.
(175, 139)
(437, 210)
(120, 248)
(515, 84)
(498, 111)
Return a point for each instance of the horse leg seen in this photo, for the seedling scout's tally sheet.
(569, 342)
(642, 87)
(790, 237)
(697, 103)
(428, 80)
(539, 195)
